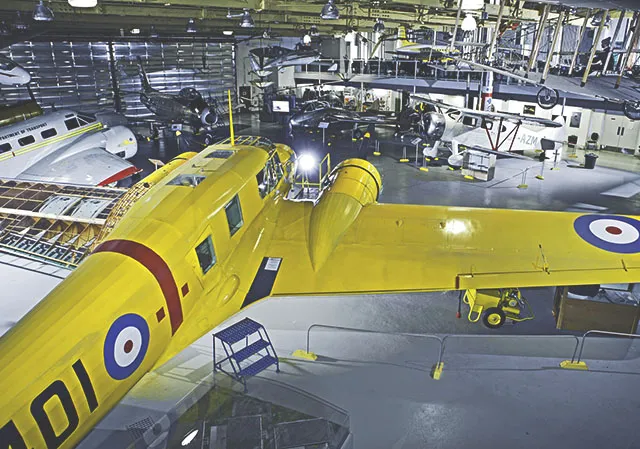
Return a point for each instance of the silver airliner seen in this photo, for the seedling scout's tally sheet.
(66, 147)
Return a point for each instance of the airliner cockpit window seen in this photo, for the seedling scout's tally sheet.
(85, 119)
(72, 123)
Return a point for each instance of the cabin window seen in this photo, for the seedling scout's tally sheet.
(206, 255)
(48, 133)
(234, 215)
(72, 123)
(26, 140)
(5, 147)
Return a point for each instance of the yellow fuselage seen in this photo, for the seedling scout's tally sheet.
(138, 300)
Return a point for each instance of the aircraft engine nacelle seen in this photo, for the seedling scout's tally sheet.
(354, 184)
(208, 117)
(433, 125)
(121, 141)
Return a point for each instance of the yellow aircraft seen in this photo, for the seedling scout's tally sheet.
(217, 234)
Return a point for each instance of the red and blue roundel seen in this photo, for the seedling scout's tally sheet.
(125, 345)
(612, 233)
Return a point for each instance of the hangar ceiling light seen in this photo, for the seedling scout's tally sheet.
(378, 27)
(472, 5)
(228, 32)
(42, 13)
(330, 11)
(83, 3)
(247, 20)
(469, 23)
(191, 26)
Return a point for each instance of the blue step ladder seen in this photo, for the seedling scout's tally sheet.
(248, 350)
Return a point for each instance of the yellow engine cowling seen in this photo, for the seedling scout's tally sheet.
(354, 184)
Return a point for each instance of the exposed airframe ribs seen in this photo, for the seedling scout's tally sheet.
(53, 223)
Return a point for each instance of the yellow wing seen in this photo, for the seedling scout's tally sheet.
(392, 247)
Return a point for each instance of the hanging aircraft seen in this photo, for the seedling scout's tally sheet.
(11, 74)
(494, 131)
(66, 147)
(549, 96)
(188, 107)
(429, 125)
(218, 234)
(265, 60)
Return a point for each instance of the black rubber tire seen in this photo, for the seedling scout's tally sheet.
(357, 134)
(491, 311)
(547, 98)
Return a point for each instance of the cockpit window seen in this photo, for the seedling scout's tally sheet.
(7, 65)
(72, 123)
(85, 119)
(206, 255)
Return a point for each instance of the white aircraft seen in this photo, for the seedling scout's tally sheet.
(66, 147)
(494, 131)
(12, 74)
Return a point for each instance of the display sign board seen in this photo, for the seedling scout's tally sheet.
(280, 106)
(323, 125)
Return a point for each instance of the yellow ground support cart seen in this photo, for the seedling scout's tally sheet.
(495, 306)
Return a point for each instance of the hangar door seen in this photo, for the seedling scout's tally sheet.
(88, 76)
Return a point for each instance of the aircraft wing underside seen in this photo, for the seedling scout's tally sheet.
(94, 166)
(393, 248)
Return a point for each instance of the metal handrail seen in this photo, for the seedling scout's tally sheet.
(368, 331)
(444, 339)
(594, 332)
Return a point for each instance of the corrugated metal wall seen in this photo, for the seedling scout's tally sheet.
(78, 75)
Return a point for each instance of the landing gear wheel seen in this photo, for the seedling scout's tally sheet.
(357, 134)
(493, 318)
(208, 139)
(547, 98)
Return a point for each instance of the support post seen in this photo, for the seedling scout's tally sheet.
(580, 37)
(455, 28)
(632, 44)
(614, 38)
(554, 41)
(594, 47)
(536, 44)
(494, 39)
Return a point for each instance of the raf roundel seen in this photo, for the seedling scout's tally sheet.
(125, 346)
(612, 233)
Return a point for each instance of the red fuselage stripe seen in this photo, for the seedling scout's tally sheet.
(129, 171)
(157, 267)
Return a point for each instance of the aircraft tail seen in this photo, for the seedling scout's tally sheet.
(402, 36)
(146, 86)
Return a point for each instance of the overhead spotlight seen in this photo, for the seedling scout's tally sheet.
(191, 26)
(42, 13)
(472, 5)
(247, 20)
(330, 11)
(313, 30)
(378, 27)
(306, 39)
(228, 32)
(19, 24)
(469, 23)
(135, 31)
(83, 3)
(153, 32)
(4, 29)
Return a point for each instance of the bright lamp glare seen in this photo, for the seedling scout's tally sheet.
(189, 437)
(306, 162)
(469, 23)
(455, 227)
